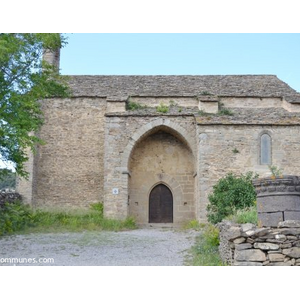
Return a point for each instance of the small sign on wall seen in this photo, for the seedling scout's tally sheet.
(115, 191)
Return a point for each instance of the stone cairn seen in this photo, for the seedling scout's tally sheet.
(249, 245)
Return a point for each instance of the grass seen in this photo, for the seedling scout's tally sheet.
(45, 221)
(245, 215)
(205, 252)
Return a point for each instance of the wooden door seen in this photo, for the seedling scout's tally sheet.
(161, 205)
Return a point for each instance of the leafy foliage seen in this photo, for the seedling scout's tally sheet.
(8, 180)
(24, 80)
(230, 193)
(14, 217)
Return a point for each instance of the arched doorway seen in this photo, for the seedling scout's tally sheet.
(161, 205)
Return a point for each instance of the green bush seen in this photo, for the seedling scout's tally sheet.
(14, 216)
(230, 193)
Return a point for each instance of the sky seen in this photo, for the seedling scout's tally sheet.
(183, 54)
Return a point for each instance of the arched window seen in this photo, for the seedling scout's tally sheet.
(265, 149)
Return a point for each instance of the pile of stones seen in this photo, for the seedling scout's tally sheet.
(249, 245)
(9, 196)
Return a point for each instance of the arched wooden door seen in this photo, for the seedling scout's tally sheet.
(161, 205)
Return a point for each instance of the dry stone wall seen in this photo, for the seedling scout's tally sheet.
(248, 245)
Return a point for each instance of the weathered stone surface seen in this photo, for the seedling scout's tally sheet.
(288, 263)
(266, 246)
(289, 224)
(243, 246)
(270, 219)
(247, 227)
(248, 263)
(280, 237)
(239, 240)
(233, 233)
(292, 252)
(289, 231)
(292, 238)
(285, 245)
(250, 255)
(276, 257)
(292, 215)
(260, 232)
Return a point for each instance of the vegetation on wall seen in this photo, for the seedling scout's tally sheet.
(131, 105)
(231, 193)
(162, 108)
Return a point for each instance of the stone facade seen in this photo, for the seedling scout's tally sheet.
(248, 245)
(96, 149)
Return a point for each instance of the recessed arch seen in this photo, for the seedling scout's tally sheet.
(151, 127)
(265, 148)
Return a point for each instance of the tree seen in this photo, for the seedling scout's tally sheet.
(9, 181)
(25, 79)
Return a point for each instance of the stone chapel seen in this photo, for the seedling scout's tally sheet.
(152, 147)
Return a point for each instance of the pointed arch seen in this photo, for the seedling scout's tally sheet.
(151, 127)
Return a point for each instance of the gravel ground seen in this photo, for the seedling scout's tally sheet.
(141, 247)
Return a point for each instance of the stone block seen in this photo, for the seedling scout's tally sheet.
(248, 263)
(276, 257)
(239, 240)
(292, 252)
(292, 215)
(243, 246)
(289, 224)
(270, 219)
(266, 246)
(250, 255)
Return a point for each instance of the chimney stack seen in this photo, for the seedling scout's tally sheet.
(52, 57)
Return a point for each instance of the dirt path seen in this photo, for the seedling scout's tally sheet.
(141, 247)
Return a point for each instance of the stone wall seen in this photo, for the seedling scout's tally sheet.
(162, 158)
(69, 166)
(123, 135)
(236, 148)
(248, 245)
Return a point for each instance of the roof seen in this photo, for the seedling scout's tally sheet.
(181, 85)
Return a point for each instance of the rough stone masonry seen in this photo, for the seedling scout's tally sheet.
(248, 245)
(97, 149)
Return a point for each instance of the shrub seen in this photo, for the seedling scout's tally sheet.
(14, 216)
(230, 193)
